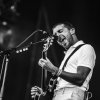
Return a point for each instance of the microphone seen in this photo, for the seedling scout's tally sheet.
(44, 32)
(54, 37)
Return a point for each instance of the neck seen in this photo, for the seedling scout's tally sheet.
(75, 39)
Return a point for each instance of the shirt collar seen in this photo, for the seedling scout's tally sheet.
(78, 43)
(75, 45)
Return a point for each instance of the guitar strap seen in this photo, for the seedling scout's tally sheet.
(71, 55)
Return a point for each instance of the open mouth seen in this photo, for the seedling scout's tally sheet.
(62, 43)
(61, 38)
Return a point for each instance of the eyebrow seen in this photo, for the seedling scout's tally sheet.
(58, 30)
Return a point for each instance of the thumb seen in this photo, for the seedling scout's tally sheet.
(47, 59)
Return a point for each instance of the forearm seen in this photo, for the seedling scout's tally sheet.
(73, 78)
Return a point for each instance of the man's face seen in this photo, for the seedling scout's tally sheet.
(64, 35)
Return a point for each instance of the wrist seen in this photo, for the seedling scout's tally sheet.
(59, 72)
(55, 71)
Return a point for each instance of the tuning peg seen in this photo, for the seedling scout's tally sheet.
(51, 43)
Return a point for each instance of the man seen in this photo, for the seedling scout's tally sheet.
(73, 78)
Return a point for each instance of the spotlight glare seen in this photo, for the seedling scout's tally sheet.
(4, 23)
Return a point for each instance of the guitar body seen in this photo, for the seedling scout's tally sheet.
(52, 83)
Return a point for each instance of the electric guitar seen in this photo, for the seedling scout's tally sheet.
(48, 43)
(53, 79)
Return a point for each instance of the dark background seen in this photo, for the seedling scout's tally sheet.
(23, 71)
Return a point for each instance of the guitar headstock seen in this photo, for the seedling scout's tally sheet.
(48, 43)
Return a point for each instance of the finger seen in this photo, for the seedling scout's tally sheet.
(46, 58)
(43, 60)
(40, 62)
(33, 93)
(34, 88)
(33, 96)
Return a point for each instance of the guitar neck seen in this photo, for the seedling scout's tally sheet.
(44, 55)
(44, 73)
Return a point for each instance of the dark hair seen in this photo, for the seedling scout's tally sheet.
(66, 24)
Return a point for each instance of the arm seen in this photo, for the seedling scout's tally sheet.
(76, 78)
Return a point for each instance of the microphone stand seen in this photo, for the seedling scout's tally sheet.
(6, 55)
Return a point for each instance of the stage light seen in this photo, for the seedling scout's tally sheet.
(13, 8)
(4, 23)
(9, 32)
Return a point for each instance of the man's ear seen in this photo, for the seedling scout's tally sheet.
(72, 31)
